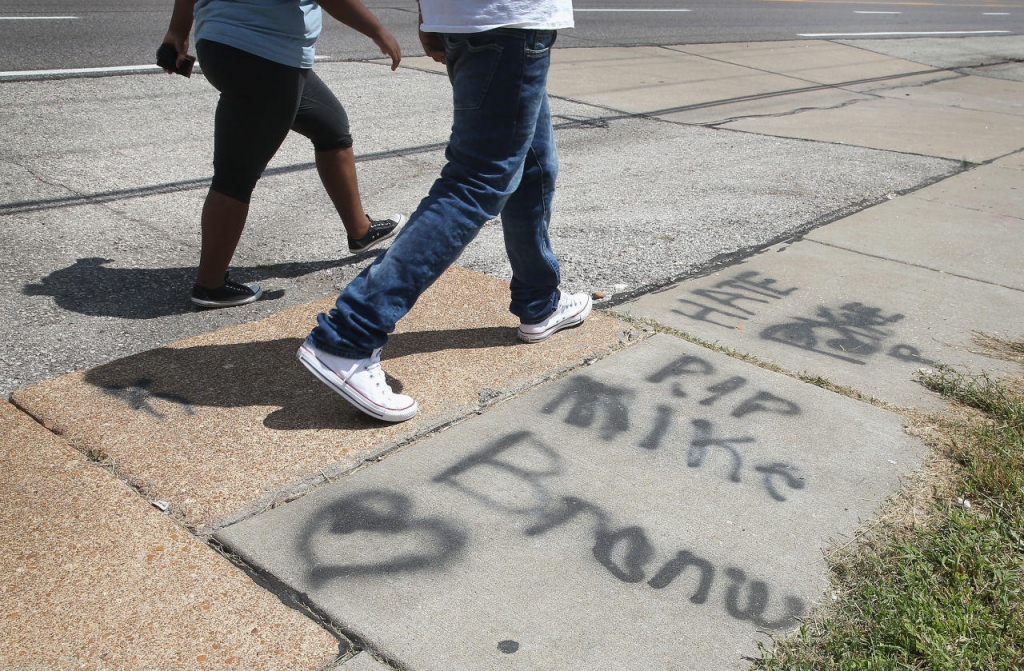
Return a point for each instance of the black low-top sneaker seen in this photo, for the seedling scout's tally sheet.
(380, 230)
(227, 295)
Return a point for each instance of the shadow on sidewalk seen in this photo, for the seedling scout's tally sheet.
(172, 382)
(91, 288)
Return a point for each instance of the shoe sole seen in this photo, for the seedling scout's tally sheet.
(376, 242)
(350, 394)
(227, 304)
(570, 322)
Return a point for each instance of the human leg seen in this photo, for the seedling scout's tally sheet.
(322, 118)
(498, 91)
(337, 170)
(525, 220)
(542, 309)
(254, 113)
(222, 222)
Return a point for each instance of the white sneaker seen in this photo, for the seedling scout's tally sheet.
(360, 382)
(571, 311)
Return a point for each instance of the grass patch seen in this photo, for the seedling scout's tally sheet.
(1000, 348)
(948, 593)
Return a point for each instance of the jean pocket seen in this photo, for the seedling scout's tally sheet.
(471, 69)
(541, 43)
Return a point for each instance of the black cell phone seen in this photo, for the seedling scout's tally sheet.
(167, 58)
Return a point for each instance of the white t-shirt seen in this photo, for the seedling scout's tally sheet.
(476, 16)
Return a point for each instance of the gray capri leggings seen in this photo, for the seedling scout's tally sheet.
(260, 101)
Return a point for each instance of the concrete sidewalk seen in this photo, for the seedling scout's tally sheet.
(608, 499)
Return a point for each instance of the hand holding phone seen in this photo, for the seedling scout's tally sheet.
(167, 58)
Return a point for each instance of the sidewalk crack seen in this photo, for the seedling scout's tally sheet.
(772, 115)
(911, 264)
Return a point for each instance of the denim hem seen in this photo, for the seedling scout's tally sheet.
(334, 351)
(558, 298)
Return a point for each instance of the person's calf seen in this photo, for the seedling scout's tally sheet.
(337, 170)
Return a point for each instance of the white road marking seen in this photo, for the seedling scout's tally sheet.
(115, 70)
(37, 18)
(865, 12)
(912, 34)
(995, 13)
(632, 10)
(124, 69)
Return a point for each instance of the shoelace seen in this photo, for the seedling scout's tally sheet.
(375, 371)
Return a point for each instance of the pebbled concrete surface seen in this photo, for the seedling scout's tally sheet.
(91, 576)
(230, 423)
(100, 197)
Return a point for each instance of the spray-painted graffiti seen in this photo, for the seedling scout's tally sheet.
(851, 332)
(399, 540)
(526, 466)
(732, 299)
(138, 397)
(588, 399)
(591, 404)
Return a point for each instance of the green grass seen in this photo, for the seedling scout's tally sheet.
(949, 595)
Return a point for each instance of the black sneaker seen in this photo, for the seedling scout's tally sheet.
(380, 230)
(227, 295)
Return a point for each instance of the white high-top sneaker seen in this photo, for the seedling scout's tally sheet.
(360, 382)
(571, 311)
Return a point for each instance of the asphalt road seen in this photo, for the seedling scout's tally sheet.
(111, 33)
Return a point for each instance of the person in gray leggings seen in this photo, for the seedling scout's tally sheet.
(259, 55)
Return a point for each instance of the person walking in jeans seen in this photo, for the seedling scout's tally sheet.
(501, 160)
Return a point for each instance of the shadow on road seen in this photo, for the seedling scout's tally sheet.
(91, 288)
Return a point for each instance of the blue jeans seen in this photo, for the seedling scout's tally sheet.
(501, 160)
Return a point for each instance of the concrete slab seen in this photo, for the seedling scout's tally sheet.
(363, 662)
(853, 319)
(970, 92)
(644, 79)
(1013, 161)
(911, 81)
(1010, 71)
(769, 105)
(661, 509)
(956, 240)
(989, 188)
(948, 52)
(113, 278)
(816, 61)
(91, 576)
(901, 125)
(229, 422)
(116, 134)
(694, 194)
(18, 183)
(674, 94)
